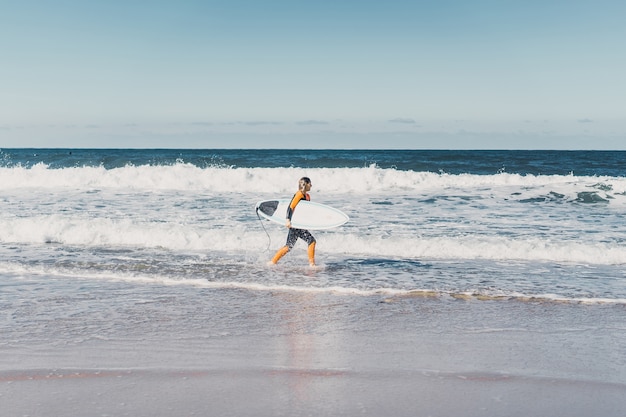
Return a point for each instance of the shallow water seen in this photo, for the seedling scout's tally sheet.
(187, 217)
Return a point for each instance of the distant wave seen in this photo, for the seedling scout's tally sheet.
(371, 179)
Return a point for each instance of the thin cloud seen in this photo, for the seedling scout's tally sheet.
(262, 123)
(402, 120)
(251, 123)
(585, 121)
(312, 123)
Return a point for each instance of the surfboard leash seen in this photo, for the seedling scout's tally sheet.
(269, 239)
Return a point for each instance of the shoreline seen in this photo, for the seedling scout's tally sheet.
(294, 392)
(324, 355)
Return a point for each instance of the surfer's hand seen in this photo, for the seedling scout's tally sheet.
(288, 224)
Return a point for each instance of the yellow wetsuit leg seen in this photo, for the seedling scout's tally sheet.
(311, 252)
(280, 253)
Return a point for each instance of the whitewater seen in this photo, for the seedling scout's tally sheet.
(136, 282)
(504, 234)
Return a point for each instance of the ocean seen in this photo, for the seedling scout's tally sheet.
(511, 224)
(455, 266)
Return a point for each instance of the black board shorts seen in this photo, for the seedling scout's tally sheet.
(303, 234)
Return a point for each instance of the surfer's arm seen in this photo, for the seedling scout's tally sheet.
(292, 206)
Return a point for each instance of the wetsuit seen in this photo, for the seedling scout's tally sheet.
(294, 233)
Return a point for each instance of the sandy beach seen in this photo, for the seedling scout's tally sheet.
(290, 354)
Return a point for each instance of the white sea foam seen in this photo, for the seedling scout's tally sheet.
(103, 232)
(480, 247)
(395, 215)
(390, 294)
(188, 177)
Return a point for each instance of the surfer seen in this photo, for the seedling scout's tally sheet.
(304, 186)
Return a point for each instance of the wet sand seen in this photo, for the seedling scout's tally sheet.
(282, 354)
(295, 392)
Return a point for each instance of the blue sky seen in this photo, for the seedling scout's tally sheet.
(313, 74)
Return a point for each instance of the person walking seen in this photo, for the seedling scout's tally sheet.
(304, 186)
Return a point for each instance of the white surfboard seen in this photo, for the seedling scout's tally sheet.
(307, 215)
